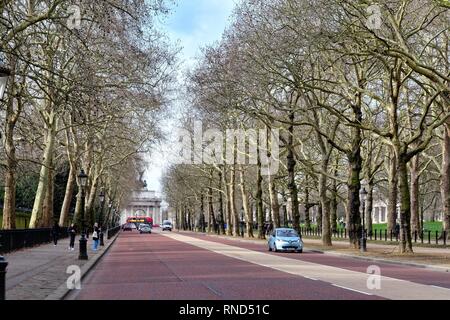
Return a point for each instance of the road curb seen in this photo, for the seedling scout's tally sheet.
(63, 291)
(333, 253)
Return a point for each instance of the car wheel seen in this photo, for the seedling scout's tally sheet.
(300, 251)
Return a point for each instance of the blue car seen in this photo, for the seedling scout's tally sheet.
(285, 239)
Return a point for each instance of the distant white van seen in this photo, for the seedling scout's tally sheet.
(166, 225)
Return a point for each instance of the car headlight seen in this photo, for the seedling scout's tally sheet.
(279, 240)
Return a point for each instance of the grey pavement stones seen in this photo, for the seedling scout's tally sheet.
(41, 273)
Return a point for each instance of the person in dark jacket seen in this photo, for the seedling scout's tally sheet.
(72, 233)
(55, 233)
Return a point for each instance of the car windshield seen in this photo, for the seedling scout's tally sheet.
(287, 233)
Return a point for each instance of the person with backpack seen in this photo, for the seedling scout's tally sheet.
(95, 237)
(55, 233)
(72, 233)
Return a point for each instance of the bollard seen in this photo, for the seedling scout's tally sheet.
(3, 265)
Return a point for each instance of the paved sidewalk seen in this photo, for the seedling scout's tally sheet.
(36, 273)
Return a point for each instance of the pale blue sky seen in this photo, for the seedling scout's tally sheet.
(194, 24)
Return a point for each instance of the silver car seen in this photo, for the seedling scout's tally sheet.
(145, 228)
(285, 239)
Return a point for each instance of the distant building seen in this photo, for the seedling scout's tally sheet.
(143, 203)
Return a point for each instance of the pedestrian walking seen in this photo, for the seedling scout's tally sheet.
(95, 237)
(55, 233)
(72, 233)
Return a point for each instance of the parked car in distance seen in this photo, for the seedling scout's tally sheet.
(145, 228)
(127, 227)
(285, 239)
(167, 225)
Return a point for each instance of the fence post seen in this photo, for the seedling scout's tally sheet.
(429, 237)
(421, 236)
(437, 237)
(445, 238)
(385, 235)
(415, 236)
(391, 235)
(376, 231)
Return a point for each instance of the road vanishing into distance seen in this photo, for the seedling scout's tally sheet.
(187, 266)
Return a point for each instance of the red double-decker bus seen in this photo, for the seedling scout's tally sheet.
(139, 220)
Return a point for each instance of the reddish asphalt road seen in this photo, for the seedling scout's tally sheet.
(403, 272)
(154, 267)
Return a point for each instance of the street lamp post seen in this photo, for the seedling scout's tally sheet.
(102, 204)
(83, 241)
(4, 74)
(363, 194)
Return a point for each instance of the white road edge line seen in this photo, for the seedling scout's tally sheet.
(342, 287)
(314, 279)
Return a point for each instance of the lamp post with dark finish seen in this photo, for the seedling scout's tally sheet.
(83, 241)
(4, 75)
(102, 205)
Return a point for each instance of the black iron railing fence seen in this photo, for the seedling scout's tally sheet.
(11, 240)
(424, 237)
(113, 231)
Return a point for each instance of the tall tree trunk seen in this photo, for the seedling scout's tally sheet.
(393, 195)
(292, 186)
(405, 207)
(307, 206)
(248, 215)
(221, 213)
(90, 214)
(333, 207)
(70, 187)
(202, 214)
(36, 215)
(319, 216)
(445, 178)
(369, 207)
(234, 211)
(415, 218)
(353, 201)
(9, 204)
(47, 208)
(212, 226)
(229, 230)
(11, 118)
(259, 200)
(325, 204)
(275, 205)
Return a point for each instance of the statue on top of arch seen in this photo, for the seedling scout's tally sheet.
(142, 183)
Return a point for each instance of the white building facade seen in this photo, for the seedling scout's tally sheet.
(144, 203)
